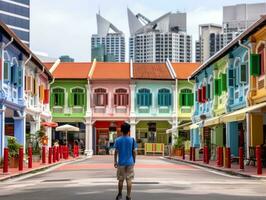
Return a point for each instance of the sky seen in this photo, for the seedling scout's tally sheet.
(64, 27)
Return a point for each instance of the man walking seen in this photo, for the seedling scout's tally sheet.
(125, 150)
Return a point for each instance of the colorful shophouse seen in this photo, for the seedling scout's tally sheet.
(153, 102)
(230, 94)
(68, 99)
(16, 62)
(185, 99)
(109, 84)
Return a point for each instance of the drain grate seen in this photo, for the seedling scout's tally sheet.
(145, 183)
(57, 180)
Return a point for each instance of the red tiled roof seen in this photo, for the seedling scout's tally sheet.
(108, 70)
(184, 70)
(72, 70)
(48, 65)
(152, 71)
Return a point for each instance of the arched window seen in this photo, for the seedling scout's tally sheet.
(121, 97)
(164, 97)
(144, 97)
(58, 97)
(100, 97)
(78, 97)
(186, 97)
(244, 69)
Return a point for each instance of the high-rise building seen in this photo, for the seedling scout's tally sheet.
(109, 44)
(159, 40)
(16, 15)
(236, 18)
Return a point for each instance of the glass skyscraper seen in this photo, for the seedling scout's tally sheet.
(16, 15)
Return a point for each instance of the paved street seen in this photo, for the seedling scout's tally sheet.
(156, 179)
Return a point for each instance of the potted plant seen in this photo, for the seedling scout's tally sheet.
(13, 151)
(178, 146)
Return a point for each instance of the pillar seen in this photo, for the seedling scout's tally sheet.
(196, 137)
(19, 130)
(2, 132)
(256, 129)
(132, 100)
(232, 135)
(133, 128)
(88, 139)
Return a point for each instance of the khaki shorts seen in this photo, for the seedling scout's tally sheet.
(125, 173)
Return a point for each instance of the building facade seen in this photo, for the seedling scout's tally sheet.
(16, 15)
(21, 101)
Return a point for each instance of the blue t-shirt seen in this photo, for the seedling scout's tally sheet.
(124, 145)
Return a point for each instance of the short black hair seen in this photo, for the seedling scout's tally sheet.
(125, 128)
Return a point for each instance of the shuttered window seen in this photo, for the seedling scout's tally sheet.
(46, 96)
(164, 97)
(28, 83)
(217, 87)
(58, 97)
(208, 92)
(77, 97)
(144, 97)
(203, 94)
(41, 93)
(255, 64)
(14, 75)
(121, 97)
(6, 71)
(186, 98)
(223, 82)
(100, 97)
(243, 73)
(20, 77)
(231, 77)
(262, 61)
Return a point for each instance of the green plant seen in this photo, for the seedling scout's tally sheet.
(13, 147)
(179, 142)
(35, 140)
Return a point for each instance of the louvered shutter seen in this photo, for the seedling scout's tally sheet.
(20, 77)
(159, 99)
(203, 94)
(231, 77)
(169, 99)
(255, 64)
(150, 99)
(138, 99)
(6, 71)
(115, 100)
(105, 99)
(46, 96)
(181, 99)
(216, 87)
(223, 82)
(262, 64)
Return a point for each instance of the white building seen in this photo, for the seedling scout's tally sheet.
(113, 43)
(159, 40)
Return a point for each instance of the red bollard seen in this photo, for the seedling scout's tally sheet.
(43, 155)
(74, 151)
(258, 158)
(64, 152)
(183, 153)
(60, 152)
(20, 156)
(206, 154)
(50, 155)
(30, 157)
(54, 154)
(193, 154)
(218, 156)
(67, 152)
(228, 157)
(241, 157)
(5, 164)
(78, 151)
(190, 154)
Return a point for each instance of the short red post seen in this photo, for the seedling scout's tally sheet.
(218, 156)
(241, 157)
(193, 154)
(43, 154)
(190, 153)
(57, 153)
(67, 152)
(30, 157)
(20, 156)
(64, 152)
(74, 151)
(54, 154)
(50, 155)
(60, 152)
(228, 157)
(183, 153)
(207, 154)
(78, 150)
(5, 164)
(258, 158)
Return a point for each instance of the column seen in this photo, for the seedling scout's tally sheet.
(132, 100)
(88, 139)
(19, 130)
(88, 100)
(133, 128)
(2, 132)
(232, 137)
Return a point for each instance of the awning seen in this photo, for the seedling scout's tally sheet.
(240, 115)
(194, 126)
(49, 124)
(185, 126)
(212, 121)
